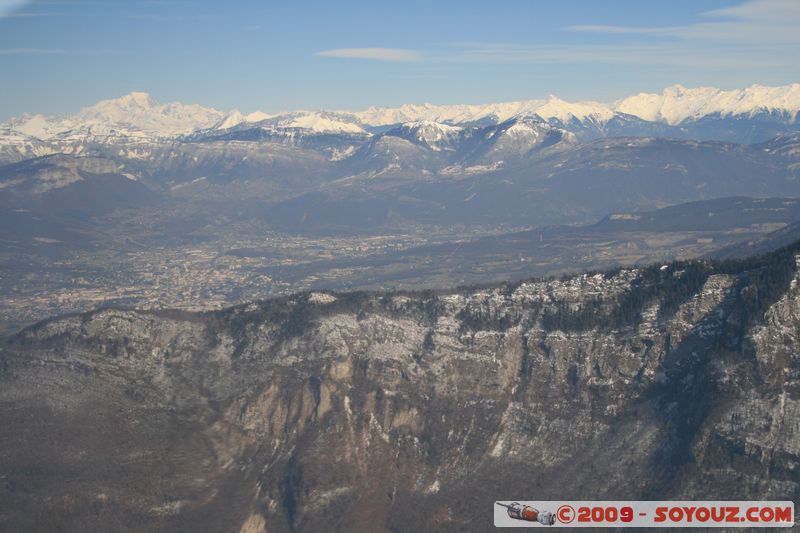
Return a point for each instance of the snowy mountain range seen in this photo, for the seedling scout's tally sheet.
(543, 161)
(137, 117)
(133, 115)
(676, 104)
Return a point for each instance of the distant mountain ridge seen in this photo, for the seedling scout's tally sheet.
(133, 115)
(548, 162)
(677, 104)
(677, 111)
(416, 173)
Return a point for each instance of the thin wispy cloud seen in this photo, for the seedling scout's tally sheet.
(171, 17)
(757, 22)
(379, 54)
(50, 51)
(27, 15)
(636, 53)
(631, 30)
(67, 3)
(29, 51)
(510, 53)
(756, 34)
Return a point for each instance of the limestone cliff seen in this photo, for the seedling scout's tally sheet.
(408, 411)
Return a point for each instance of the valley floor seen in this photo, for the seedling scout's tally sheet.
(218, 266)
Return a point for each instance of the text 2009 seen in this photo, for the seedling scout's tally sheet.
(605, 514)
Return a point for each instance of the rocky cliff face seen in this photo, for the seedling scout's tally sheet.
(408, 411)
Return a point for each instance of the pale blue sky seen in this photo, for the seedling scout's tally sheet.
(58, 56)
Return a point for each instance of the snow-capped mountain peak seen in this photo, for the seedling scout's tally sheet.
(672, 106)
(133, 100)
(125, 109)
(256, 116)
(133, 115)
(677, 103)
(428, 129)
(450, 114)
(551, 108)
(229, 120)
(565, 111)
(236, 118)
(524, 125)
(138, 118)
(139, 111)
(36, 126)
(435, 135)
(317, 122)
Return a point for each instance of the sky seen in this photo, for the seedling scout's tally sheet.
(57, 56)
